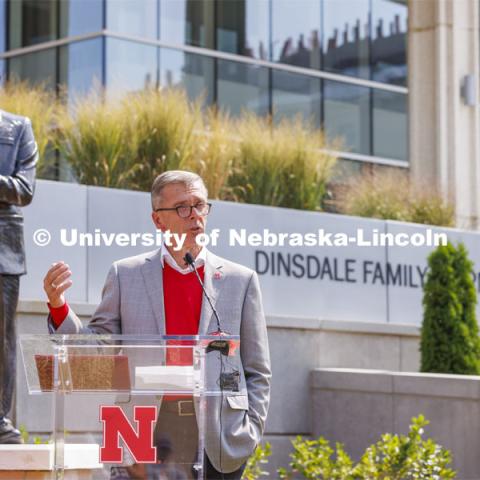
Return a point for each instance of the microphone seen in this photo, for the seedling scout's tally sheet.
(219, 345)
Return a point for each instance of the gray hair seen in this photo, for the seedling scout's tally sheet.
(174, 176)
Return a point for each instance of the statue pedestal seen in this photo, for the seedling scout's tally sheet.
(36, 461)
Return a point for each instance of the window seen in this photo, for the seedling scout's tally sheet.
(242, 86)
(390, 125)
(346, 37)
(131, 17)
(38, 67)
(389, 42)
(3, 71)
(79, 16)
(130, 66)
(81, 66)
(296, 32)
(347, 115)
(3, 35)
(32, 22)
(295, 94)
(192, 72)
(243, 27)
(187, 22)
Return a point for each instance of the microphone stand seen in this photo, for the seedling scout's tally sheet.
(221, 346)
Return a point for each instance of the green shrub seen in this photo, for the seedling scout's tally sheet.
(449, 335)
(37, 440)
(393, 457)
(390, 195)
(313, 459)
(254, 470)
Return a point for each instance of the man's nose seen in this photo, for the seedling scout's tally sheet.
(194, 215)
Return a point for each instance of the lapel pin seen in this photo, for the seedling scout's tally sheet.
(217, 275)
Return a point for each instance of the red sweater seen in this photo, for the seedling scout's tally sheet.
(182, 295)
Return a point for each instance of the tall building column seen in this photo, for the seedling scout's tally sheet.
(444, 146)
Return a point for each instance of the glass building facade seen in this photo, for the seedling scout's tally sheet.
(339, 63)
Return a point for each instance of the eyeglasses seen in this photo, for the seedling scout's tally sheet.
(184, 211)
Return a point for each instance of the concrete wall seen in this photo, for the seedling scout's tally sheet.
(298, 346)
(355, 407)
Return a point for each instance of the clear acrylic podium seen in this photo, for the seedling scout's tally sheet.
(85, 375)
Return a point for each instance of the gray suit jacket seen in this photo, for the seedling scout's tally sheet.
(18, 156)
(132, 303)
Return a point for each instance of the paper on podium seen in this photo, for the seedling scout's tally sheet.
(165, 377)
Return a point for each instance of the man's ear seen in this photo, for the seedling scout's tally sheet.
(158, 223)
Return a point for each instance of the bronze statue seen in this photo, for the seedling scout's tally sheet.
(18, 157)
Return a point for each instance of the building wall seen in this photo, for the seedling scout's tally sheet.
(443, 46)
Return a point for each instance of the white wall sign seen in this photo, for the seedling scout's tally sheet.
(357, 283)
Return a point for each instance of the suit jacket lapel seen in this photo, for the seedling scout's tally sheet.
(153, 277)
(212, 280)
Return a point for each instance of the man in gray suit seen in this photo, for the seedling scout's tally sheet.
(134, 301)
(18, 157)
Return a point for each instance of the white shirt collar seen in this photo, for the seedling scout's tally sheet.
(166, 256)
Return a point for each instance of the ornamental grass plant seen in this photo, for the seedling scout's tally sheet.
(126, 143)
(161, 126)
(216, 149)
(284, 165)
(93, 138)
(390, 195)
(40, 105)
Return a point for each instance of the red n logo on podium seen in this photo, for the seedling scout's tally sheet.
(139, 442)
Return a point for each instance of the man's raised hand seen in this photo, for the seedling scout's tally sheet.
(56, 281)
